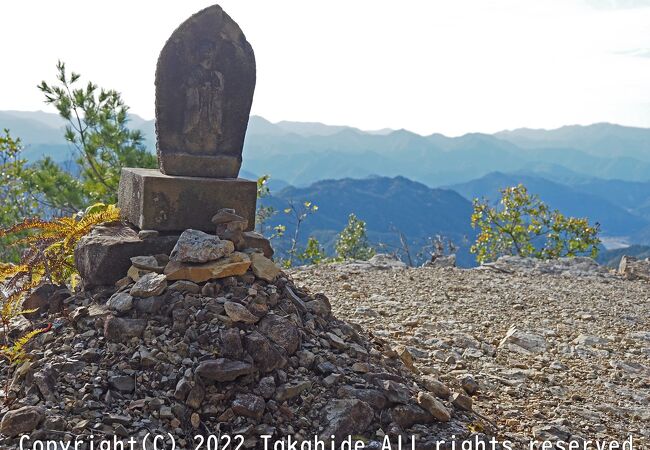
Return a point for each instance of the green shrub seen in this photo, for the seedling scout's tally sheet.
(352, 242)
(521, 224)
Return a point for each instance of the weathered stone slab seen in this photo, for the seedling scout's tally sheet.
(235, 264)
(205, 80)
(104, 255)
(150, 199)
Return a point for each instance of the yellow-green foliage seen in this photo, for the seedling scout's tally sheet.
(49, 256)
(50, 244)
(521, 224)
(15, 352)
(12, 294)
(352, 242)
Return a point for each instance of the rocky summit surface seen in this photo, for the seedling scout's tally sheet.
(549, 351)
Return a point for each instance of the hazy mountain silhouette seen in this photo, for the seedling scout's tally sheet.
(388, 205)
(601, 171)
(601, 139)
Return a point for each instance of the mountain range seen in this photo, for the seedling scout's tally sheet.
(403, 181)
(301, 153)
(394, 209)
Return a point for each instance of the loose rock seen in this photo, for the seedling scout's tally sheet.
(239, 313)
(149, 285)
(195, 246)
(263, 267)
(21, 420)
(435, 408)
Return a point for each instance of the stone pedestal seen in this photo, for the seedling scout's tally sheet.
(152, 200)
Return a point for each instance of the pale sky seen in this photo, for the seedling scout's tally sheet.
(448, 66)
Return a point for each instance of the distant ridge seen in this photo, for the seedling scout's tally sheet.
(600, 170)
(388, 205)
(319, 151)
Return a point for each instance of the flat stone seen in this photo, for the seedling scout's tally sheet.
(223, 369)
(249, 405)
(235, 264)
(205, 80)
(263, 267)
(195, 246)
(149, 285)
(151, 263)
(104, 255)
(185, 286)
(289, 391)
(435, 407)
(21, 420)
(120, 302)
(239, 313)
(436, 387)
(525, 342)
(150, 199)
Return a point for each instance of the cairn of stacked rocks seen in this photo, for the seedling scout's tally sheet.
(215, 338)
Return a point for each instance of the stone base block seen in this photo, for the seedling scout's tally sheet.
(186, 164)
(152, 200)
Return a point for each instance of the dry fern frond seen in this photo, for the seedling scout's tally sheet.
(9, 270)
(51, 243)
(49, 255)
(15, 353)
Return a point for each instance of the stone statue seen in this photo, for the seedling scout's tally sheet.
(205, 80)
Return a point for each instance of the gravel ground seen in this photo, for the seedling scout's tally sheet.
(576, 367)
